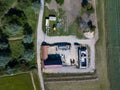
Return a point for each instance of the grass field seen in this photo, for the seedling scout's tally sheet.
(19, 82)
(101, 62)
(113, 44)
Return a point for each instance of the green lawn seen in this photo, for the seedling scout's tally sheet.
(17, 82)
(17, 48)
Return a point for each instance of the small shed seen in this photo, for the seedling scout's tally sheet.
(47, 22)
(52, 17)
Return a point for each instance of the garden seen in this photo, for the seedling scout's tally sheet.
(69, 19)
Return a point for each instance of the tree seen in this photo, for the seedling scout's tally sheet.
(28, 55)
(93, 28)
(84, 3)
(27, 29)
(4, 59)
(3, 7)
(13, 29)
(36, 7)
(87, 7)
(28, 39)
(3, 40)
(60, 2)
(3, 45)
(14, 16)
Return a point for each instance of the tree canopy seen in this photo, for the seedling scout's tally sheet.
(4, 60)
(28, 39)
(36, 7)
(13, 29)
(28, 55)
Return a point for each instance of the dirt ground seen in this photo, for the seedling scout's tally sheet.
(71, 7)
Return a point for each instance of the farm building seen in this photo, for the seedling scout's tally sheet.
(52, 17)
(82, 57)
(47, 22)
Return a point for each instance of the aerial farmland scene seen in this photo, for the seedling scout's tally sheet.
(59, 45)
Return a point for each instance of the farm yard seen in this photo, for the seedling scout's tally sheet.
(72, 18)
(102, 82)
(113, 41)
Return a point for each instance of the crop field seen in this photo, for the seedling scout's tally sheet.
(113, 37)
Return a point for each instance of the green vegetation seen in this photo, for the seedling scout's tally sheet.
(47, 1)
(19, 20)
(36, 7)
(60, 2)
(36, 80)
(112, 17)
(28, 55)
(87, 7)
(13, 29)
(18, 82)
(5, 6)
(17, 49)
(28, 39)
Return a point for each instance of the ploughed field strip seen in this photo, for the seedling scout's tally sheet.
(113, 33)
(69, 77)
